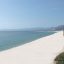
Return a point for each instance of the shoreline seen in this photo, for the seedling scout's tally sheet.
(40, 51)
(6, 47)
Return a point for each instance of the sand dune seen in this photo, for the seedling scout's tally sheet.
(41, 51)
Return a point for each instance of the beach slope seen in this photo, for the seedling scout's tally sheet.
(41, 51)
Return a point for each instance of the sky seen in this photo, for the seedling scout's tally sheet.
(20, 14)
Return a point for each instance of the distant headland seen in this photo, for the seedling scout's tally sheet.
(56, 28)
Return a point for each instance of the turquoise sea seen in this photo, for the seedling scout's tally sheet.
(10, 39)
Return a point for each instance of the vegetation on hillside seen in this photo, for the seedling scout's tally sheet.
(60, 59)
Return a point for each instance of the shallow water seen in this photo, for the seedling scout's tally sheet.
(9, 39)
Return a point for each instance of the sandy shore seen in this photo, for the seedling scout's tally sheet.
(41, 51)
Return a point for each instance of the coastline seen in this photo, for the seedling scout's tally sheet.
(41, 51)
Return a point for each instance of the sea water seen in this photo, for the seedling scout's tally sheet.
(10, 39)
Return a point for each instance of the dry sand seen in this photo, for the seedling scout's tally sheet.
(41, 51)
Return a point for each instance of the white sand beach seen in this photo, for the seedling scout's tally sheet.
(41, 51)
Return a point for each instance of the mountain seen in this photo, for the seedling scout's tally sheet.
(57, 28)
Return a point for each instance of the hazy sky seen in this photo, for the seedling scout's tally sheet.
(16, 14)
